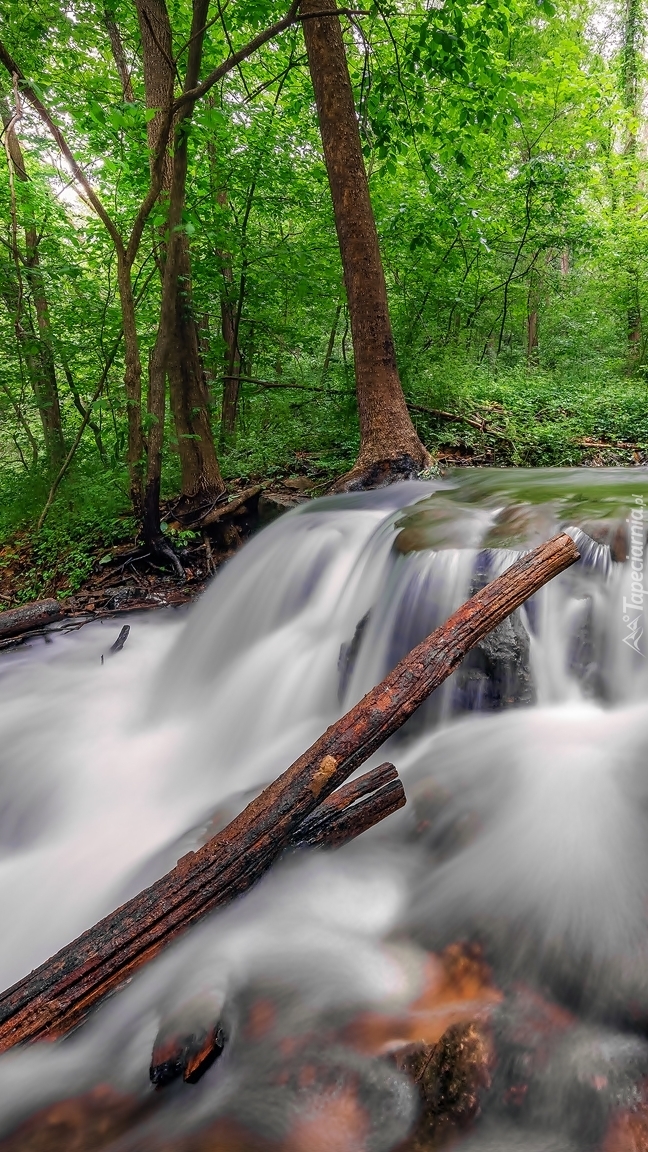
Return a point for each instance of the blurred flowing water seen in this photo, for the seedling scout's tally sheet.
(526, 828)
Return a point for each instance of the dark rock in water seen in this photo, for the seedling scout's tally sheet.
(188, 1042)
(582, 654)
(497, 672)
(272, 505)
(83, 1124)
(451, 1078)
(552, 1071)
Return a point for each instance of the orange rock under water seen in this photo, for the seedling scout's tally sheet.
(449, 1062)
(458, 987)
(628, 1131)
(85, 1124)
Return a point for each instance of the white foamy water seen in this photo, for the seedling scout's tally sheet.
(530, 766)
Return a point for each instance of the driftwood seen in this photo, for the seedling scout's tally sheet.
(15, 621)
(57, 995)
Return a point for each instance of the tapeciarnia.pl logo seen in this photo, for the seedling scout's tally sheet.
(633, 606)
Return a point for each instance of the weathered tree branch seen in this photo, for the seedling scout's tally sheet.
(15, 621)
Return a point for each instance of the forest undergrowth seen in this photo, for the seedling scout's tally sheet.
(509, 417)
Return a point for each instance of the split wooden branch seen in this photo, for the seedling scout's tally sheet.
(57, 995)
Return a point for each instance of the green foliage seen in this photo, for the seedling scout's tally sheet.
(497, 140)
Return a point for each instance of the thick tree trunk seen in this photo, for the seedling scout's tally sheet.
(201, 481)
(40, 359)
(166, 339)
(389, 446)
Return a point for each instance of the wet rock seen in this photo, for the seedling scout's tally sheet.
(553, 1071)
(496, 674)
(83, 1124)
(628, 1131)
(613, 533)
(451, 1077)
(272, 505)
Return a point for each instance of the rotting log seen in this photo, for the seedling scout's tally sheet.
(15, 621)
(222, 511)
(56, 996)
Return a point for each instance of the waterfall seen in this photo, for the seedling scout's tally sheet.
(525, 834)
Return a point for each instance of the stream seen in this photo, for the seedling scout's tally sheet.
(525, 835)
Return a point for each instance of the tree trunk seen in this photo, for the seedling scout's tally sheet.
(201, 481)
(230, 318)
(533, 301)
(389, 446)
(40, 361)
(132, 384)
(119, 56)
(631, 65)
(166, 339)
(232, 380)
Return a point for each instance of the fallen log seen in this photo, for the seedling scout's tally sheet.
(221, 511)
(190, 1046)
(15, 621)
(56, 996)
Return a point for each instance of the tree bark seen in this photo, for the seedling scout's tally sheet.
(119, 56)
(56, 996)
(40, 359)
(201, 481)
(389, 446)
(15, 621)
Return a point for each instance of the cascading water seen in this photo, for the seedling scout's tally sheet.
(526, 829)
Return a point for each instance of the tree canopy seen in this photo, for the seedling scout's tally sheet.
(504, 146)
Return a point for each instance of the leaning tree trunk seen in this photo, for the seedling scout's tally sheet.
(201, 481)
(389, 446)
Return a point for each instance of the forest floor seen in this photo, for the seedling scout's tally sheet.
(88, 556)
(121, 577)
